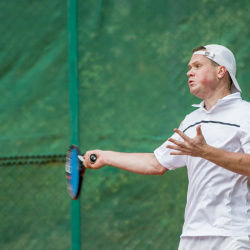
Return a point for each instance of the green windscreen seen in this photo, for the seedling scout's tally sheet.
(133, 91)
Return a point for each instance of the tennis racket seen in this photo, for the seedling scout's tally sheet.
(75, 170)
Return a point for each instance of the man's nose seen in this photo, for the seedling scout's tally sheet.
(190, 73)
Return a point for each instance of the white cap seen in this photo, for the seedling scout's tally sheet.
(224, 57)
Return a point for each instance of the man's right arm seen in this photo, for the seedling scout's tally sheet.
(140, 163)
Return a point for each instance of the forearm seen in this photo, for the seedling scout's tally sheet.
(140, 163)
(235, 162)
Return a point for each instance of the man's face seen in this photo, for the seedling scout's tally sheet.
(202, 77)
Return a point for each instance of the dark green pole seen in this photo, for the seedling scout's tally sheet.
(74, 113)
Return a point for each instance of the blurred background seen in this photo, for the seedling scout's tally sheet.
(132, 64)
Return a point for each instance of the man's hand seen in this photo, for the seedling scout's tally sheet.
(99, 163)
(196, 146)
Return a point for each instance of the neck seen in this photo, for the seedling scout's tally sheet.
(211, 101)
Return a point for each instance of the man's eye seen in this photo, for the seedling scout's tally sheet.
(198, 66)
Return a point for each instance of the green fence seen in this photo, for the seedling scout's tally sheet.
(131, 69)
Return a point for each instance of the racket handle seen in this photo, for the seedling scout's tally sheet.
(93, 158)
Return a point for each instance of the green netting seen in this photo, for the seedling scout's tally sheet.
(133, 58)
(34, 77)
(34, 211)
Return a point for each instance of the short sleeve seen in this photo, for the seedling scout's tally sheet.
(170, 161)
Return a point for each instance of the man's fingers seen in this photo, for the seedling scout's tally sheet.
(176, 148)
(198, 130)
(173, 147)
(181, 134)
(87, 162)
(174, 141)
(180, 147)
(190, 146)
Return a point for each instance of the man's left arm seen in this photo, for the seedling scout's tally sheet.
(197, 147)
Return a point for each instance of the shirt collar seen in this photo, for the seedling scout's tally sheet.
(221, 101)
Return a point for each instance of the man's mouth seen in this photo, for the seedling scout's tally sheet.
(190, 82)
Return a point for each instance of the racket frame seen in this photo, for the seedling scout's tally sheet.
(80, 169)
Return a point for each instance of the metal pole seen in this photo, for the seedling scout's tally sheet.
(74, 113)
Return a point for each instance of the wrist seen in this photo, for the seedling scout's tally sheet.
(107, 158)
(207, 152)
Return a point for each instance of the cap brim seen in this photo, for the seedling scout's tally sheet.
(235, 86)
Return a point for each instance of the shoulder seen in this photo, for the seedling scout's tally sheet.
(242, 107)
(245, 103)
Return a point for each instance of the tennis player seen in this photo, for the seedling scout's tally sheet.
(213, 142)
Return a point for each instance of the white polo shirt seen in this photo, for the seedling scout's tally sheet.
(218, 200)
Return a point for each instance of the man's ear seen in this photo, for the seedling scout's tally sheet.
(221, 71)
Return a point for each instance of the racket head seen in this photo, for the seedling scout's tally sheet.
(75, 169)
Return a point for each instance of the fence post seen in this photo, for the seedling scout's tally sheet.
(74, 112)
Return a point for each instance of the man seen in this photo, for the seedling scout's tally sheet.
(214, 143)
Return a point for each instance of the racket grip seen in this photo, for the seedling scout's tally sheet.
(93, 158)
